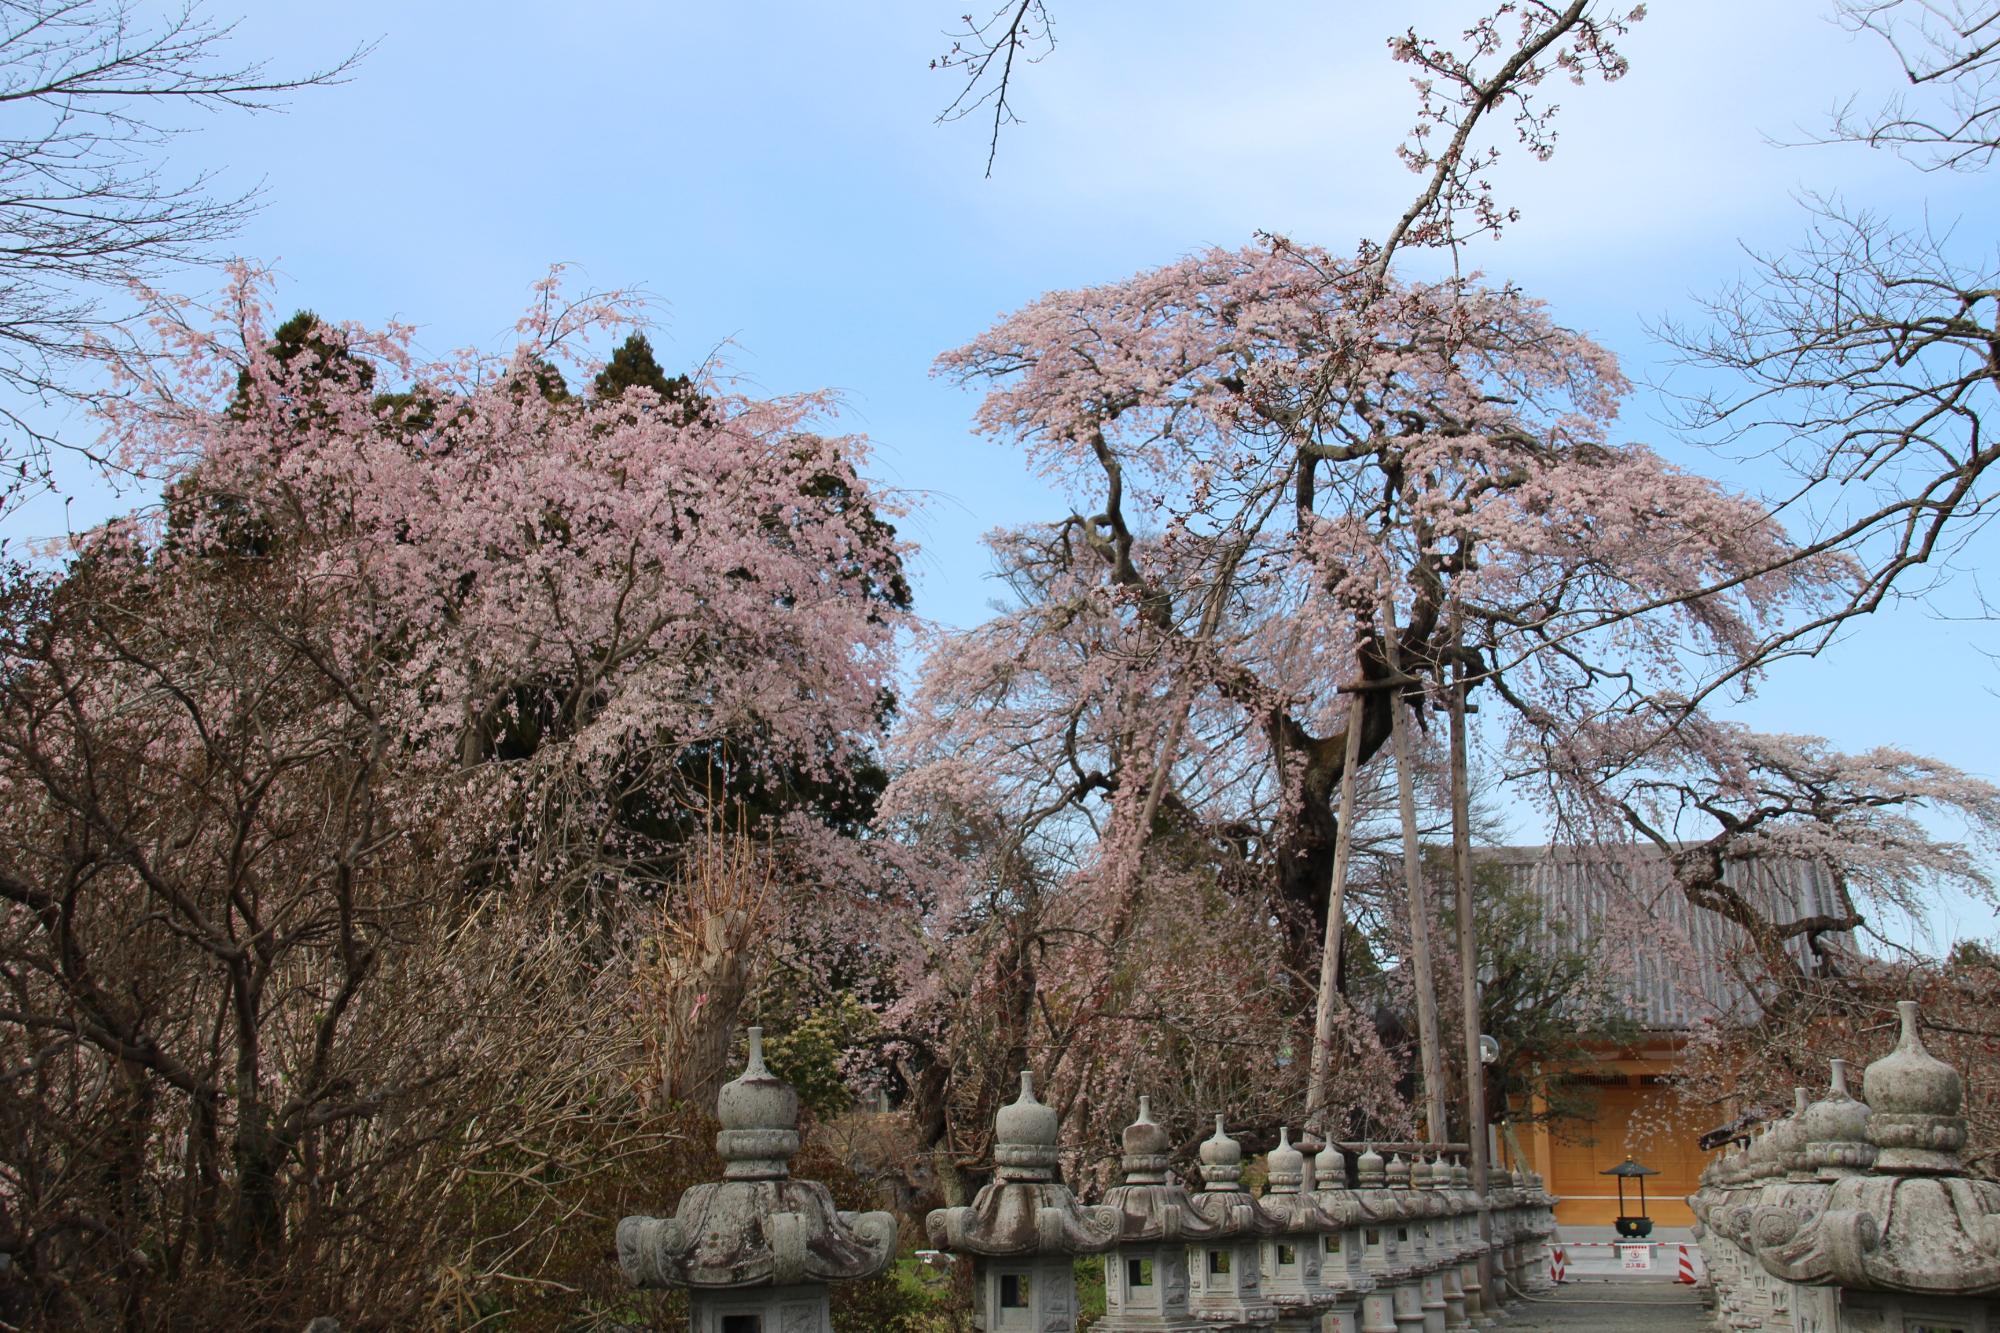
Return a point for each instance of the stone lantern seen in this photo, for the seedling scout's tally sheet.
(1292, 1255)
(756, 1249)
(1024, 1229)
(1396, 1304)
(1146, 1276)
(1466, 1230)
(1342, 1271)
(1448, 1245)
(1912, 1243)
(1226, 1283)
(1392, 1205)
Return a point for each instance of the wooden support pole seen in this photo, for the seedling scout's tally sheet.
(1413, 874)
(1468, 966)
(1336, 919)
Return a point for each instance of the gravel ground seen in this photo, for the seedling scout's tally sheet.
(1613, 1307)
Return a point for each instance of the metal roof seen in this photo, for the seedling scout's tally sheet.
(1675, 965)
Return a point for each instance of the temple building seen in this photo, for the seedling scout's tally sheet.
(1674, 967)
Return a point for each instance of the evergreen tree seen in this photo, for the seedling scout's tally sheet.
(633, 366)
(327, 360)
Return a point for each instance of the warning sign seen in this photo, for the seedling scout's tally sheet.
(1636, 1258)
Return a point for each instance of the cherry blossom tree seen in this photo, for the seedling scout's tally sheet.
(603, 606)
(1261, 442)
(1275, 455)
(396, 697)
(1184, 998)
(1296, 441)
(1709, 796)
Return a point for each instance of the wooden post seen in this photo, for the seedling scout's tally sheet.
(1468, 965)
(1336, 916)
(1413, 875)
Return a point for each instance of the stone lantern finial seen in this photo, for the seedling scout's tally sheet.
(1026, 1137)
(1917, 1102)
(1285, 1165)
(1763, 1155)
(1369, 1172)
(1788, 1140)
(760, 1117)
(1836, 1131)
(1330, 1167)
(1147, 1149)
(1397, 1173)
(1221, 1160)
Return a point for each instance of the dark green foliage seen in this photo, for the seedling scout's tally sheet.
(543, 378)
(409, 412)
(1549, 1001)
(310, 353)
(807, 1054)
(878, 535)
(633, 366)
(321, 355)
(1971, 955)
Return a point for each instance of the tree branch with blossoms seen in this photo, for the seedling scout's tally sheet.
(1455, 98)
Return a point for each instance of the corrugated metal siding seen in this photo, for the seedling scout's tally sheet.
(1674, 964)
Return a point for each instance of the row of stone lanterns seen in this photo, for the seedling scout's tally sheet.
(1399, 1252)
(1852, 1215)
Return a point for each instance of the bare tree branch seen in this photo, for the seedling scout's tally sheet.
(1017, 29)
(1949, 50)
(87, 216)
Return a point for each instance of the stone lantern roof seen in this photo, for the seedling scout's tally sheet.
(1296, 1205)
(1025, 1209)
(1151, 1205)
(1223, 1199)
(757, 1226)
(1319, 1200)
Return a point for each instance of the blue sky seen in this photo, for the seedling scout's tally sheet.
(771, 173)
